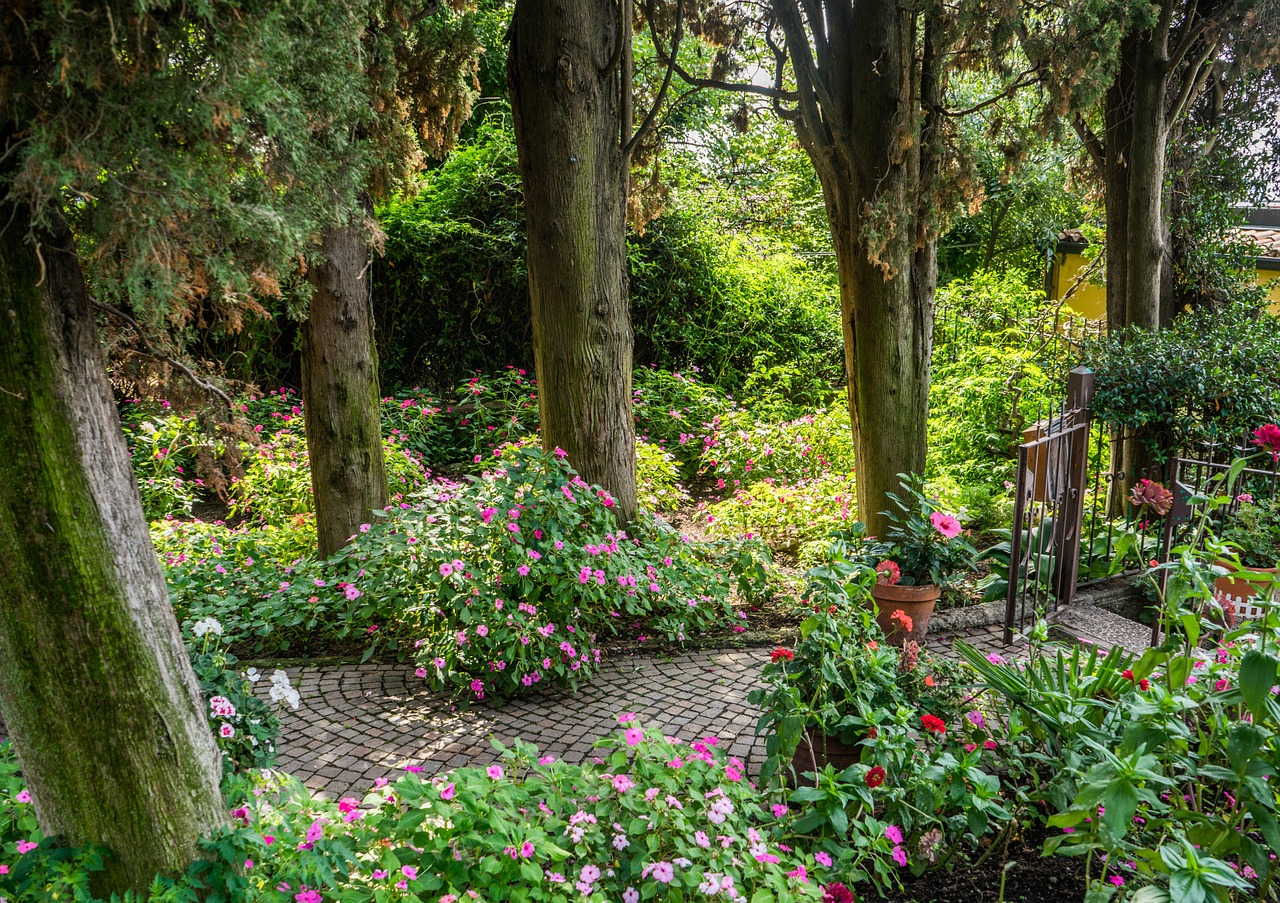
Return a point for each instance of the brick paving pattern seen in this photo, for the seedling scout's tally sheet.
(361, 722)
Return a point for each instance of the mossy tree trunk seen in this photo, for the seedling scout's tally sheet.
(340, 395)
(866, 120)
(95, 685)
(566, 96)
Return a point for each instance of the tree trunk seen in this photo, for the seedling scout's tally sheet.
(887, 281)
(566, 103)
(1118, 142)
(1144, 238)
(340, 391)
(95, 685)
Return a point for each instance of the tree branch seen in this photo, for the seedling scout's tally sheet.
(1024, 80)
(650, 118)
(151, 352)
(1193, 83)
(1189, 35)
(1090, 140)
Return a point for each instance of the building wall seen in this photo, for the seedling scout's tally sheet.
(1090, 299)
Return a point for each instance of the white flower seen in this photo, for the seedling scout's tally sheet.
(226, 731)
(253, 675)
(208, 625)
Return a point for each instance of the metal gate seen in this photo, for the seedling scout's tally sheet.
(1048, 509)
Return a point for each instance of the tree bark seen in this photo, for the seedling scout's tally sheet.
(341, 401)
(887, 266)
(96, 688)
(565, 80)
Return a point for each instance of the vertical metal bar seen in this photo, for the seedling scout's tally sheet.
(1080, 384)
(1015, 544)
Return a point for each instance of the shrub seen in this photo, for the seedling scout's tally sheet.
(1211, 376)
(650, 818)
(790, 517)
(658, 478)
(162, 450)
(523, 563)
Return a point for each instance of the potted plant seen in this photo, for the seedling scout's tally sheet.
(923, 552)
(840, 683)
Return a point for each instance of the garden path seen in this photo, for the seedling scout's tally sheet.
(357, 723)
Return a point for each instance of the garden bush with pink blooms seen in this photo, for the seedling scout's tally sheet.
(650, 818)
(495, 584)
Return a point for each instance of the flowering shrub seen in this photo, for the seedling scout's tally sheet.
(797, 518)
(501, 582)
(162, 450)
(245, 726)
(651, 818)
(539, 571)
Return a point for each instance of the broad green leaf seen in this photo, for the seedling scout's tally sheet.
(1257, 677)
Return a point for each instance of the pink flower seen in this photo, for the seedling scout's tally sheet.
(894, 833)
(822, 858)
(495, 772)
(634, 736)
(663, 872)
(409, 872)
(526, 850)
(945, 524)
(1267, 436)
(307, 896)
(779, 810)
(420, 672)
(448, 791)
(26, 846)
(899, 856)
(23, 796)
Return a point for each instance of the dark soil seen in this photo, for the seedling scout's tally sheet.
(1031, 878)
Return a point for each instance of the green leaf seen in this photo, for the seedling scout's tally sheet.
(1122, 803)
(1257, 677)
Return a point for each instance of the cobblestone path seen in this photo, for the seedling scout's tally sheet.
(361, 722)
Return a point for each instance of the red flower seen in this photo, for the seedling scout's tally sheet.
(934, 723)
(780, 653)
(1144, 684)
(873, 733)
(888, 573)
(1268, 436)
(873, 645)
(902, 618)
(1128, 674)
(875, 776)
(836, 892)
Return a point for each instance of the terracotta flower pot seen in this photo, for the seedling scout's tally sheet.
(916, 602)
(826, 750)
(1238, 589)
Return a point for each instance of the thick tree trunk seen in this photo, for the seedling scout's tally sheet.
(95, 685)
(340, 391)
(887, 282)
(566, 101)
(1136, 138)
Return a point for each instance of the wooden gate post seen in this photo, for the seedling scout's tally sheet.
(1071, 517)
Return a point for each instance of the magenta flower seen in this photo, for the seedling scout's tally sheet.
(634, 736)
(447, 792)
(945, 524)
(409, 872)
(495, 772)
(26, 846)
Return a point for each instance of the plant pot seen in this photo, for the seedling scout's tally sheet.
(1237, 588)
(916, 602)
(826, 750)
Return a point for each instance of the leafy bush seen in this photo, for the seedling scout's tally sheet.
(658, 478)
(522, 563)
(651, 818)
(1211, 376)
(997, 367)
(790, 517)
(162, 449)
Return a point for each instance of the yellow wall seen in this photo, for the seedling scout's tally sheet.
(1271, 279)
(1090, 300)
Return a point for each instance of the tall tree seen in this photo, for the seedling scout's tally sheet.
(570, 76)
(180, 141)
(1173, 53)
(869, 105)
(420, 61)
